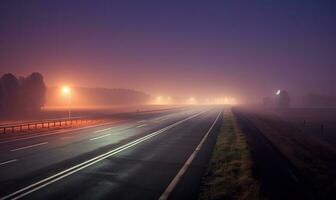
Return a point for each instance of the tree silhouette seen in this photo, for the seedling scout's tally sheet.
(10, 93)
(1, 98)
(23, 94)
(34, 91)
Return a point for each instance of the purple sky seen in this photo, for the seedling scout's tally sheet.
(203, 48)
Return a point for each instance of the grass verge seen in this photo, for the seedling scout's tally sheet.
(229, 175)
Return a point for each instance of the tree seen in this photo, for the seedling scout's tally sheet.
(1, 99)
(34, 91)
(10, 93)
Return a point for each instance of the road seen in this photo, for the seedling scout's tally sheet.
(146, 157)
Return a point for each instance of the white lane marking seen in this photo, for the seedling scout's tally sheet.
(141, 125)
(165, 195)
(102, 136)
(56, 132)
(30, 146)
(8, 161)
(106, 129)
(51, 179)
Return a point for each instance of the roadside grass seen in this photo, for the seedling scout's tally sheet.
(229, 174)
(312, 156)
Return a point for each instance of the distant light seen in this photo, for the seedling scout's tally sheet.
(162, 100)
(192, 99)
(278, 92)
(224, 101)
(66, 90)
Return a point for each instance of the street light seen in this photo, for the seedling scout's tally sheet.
(66, 91)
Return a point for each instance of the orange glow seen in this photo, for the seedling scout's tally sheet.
(159, 98)
(162, 100)
(192, 100)
(225, 100)
(66, 90)
(168, 100)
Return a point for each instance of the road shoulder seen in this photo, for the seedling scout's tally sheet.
(229, 174)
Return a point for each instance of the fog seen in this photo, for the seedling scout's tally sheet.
(206, 51)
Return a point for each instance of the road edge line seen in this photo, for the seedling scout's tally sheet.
(53, 178)
(165, 195)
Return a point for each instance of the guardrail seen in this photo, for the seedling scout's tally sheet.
(51, 123)
(19, 127)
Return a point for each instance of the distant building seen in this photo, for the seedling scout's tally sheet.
(282, 98)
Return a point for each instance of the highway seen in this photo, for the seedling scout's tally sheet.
(141, 156)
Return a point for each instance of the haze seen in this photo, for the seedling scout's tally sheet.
(200, 49)
(168, 100)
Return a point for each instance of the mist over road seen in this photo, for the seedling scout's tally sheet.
(139, 158)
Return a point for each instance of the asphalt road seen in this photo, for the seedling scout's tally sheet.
(150, 156)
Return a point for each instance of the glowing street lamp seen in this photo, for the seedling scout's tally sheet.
(192, 100)
(66, 91)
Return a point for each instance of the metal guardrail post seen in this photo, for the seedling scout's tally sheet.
(44, 124)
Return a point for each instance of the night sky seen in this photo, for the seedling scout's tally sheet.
(180, 48)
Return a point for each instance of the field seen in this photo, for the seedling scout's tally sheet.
(306, 138)
(319, 123)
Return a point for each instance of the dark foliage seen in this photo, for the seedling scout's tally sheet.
(23, 94)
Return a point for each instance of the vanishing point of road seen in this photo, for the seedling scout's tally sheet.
(159, 155)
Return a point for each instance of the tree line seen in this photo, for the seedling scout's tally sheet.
(23, 94)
